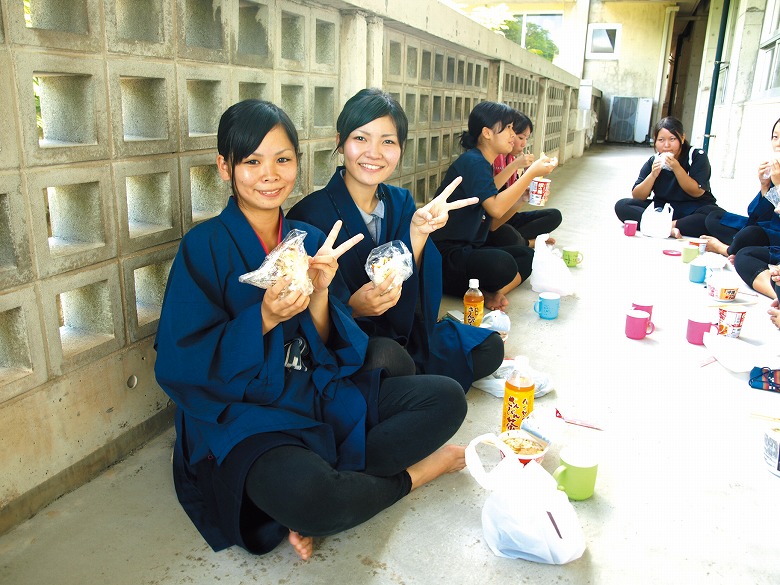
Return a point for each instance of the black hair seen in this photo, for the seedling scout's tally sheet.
(521, 122)
(243, 126)
(674, 126)
(775, 125)
(493, 115)
(366, 106)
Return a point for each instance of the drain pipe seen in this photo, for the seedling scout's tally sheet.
(724, 17)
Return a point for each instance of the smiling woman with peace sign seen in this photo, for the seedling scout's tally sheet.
(372, 130)
(280, 430)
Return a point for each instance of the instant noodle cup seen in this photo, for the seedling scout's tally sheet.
(539, 191)
(529, 447)
(722, 288)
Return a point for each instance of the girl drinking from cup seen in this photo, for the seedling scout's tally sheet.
(463, 242)
(371, 133)
(519, 227)
(677, 174)
(278, 434)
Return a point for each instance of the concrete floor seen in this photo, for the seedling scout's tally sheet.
(682, 496)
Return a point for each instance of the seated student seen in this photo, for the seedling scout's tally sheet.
(371, 133)
(463, 242)
(732, 232)
(680, 176)
(752, 265)
(276, 435)
(521, 227)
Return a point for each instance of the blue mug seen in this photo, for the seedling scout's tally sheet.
(548, 304)
(697, 272)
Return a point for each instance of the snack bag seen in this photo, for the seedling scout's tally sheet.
(289, 258)
(392, 257)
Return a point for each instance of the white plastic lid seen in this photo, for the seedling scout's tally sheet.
(473, 283)
(521, 363)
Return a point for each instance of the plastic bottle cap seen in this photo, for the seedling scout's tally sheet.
(521, 363)
(473, 283)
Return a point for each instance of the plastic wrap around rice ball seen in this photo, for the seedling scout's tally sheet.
(289, 258)
(393, 257)
(664, 157)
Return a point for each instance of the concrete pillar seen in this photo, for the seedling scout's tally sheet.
(354, 34)
(375, 44)
(565, 121)
(540, 126)
(496, 81)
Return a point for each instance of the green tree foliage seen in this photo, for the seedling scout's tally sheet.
(537, 39)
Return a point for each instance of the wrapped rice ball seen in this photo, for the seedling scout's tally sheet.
(289, 258)
(393, 257)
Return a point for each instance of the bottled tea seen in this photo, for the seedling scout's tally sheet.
(473, 304)
(518, 395)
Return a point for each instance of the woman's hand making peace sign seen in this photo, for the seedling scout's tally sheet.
(278, 307)
(323, 265)
(435, 214)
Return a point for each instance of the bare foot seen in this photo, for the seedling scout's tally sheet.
(715, 245)
(731, 259)
(774, 313)
(303, 545)
(496, 301)
(675, 233)
(447, 459)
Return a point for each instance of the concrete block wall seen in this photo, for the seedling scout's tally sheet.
(107, 157)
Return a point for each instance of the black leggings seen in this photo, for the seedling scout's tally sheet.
(748, 237)
(692, 224)
(751, 261)
(714, 228)
(301, 491)
(385, 353)
(494, 267)
(697, 223)
(524, 226)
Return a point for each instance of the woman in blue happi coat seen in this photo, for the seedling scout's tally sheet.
(746, 240)
(279, 432)
(371, 132)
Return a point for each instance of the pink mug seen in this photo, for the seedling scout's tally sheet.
(629, 227)
(697, 329)
(638, 324)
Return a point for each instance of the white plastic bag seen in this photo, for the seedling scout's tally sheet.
(525, 515)
(549, 272)
(289, 258)
(657, 222)
(390, 257)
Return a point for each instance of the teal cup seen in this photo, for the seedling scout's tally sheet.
(548, 304)
(697, 272)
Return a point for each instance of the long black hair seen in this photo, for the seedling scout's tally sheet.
(366, 106)
(243, 126)
(493, 115)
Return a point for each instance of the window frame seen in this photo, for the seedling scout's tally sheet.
(603, 26)
(767, 80)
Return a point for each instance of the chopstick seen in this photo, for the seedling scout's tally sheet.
(765, 417)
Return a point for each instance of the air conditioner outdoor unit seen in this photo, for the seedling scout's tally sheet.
(629, 119)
